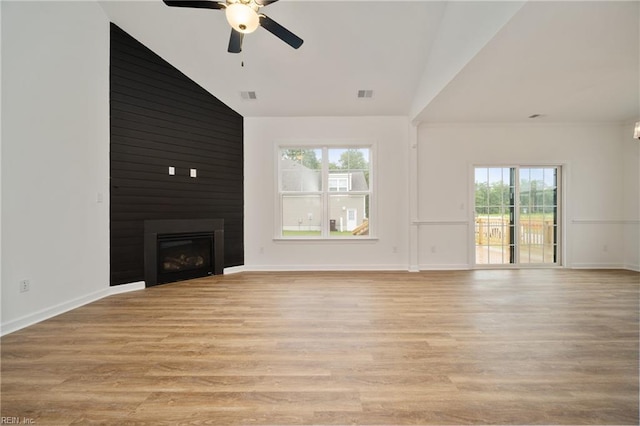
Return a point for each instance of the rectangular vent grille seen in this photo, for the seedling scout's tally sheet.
(248, 96)
(362, 94)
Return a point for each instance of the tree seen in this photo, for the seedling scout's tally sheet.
(537, 197)
(352, 159)
(492, 199)
(306, 157)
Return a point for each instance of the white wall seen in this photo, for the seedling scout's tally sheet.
(0, 167)
(631, 202)
(389, 251)
(465, 29)
(594, 211)
(55, 158)
(601, 177)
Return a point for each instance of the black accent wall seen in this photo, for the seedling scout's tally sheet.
(161, 118)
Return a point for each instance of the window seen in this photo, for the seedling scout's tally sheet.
(339, 183)
(517, 215)
(325, 192)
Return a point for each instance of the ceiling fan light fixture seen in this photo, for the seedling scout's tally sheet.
(242, 18)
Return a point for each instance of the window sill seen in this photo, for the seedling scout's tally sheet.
(327, 240)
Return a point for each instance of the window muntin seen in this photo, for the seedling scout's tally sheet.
(325, 192)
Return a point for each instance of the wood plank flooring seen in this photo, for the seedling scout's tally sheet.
(457, 347)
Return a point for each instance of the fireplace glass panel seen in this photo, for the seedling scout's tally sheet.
(183, 254)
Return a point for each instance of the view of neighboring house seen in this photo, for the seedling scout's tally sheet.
(302, 206)
(347, 211)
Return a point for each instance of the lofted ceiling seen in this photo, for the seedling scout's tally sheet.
(568, 61)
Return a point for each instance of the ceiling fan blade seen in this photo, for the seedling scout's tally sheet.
(198, 4)
(265, 2)
(281, 32)
(235, 42)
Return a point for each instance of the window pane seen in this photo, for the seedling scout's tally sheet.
(493, 211)
(538, 215)
(348, 215)
(301, 215)
(300, 170)
(350, 166)
(550, 179)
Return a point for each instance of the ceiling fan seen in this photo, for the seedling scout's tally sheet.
(244, 17)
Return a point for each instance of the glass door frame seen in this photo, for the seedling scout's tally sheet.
(514, 219)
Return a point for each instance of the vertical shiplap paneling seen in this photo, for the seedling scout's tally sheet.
(161, 118)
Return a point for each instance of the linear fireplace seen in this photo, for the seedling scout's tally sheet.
(177, 250)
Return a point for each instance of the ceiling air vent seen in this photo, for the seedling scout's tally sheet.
(248, 96)
(362, 94)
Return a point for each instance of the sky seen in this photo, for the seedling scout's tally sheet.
(501, 174)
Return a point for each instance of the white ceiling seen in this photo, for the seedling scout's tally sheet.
(570, 61)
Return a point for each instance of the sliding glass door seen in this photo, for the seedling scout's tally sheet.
(494, 218)
(516, 215)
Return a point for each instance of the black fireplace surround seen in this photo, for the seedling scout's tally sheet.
(176, 250)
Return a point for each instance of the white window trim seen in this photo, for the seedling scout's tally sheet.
(323, 144)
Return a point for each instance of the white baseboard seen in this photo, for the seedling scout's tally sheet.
(635, 268)
(327, 268)
(126, 288)
(598, 266)
(451, 267)
(234, 270)
(44, 314)
(61, 308)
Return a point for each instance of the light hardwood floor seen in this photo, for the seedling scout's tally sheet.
(456, 347)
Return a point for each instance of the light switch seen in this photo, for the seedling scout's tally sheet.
(172, 170)
(194, 173)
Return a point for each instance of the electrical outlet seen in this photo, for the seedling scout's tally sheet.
(24, 286)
